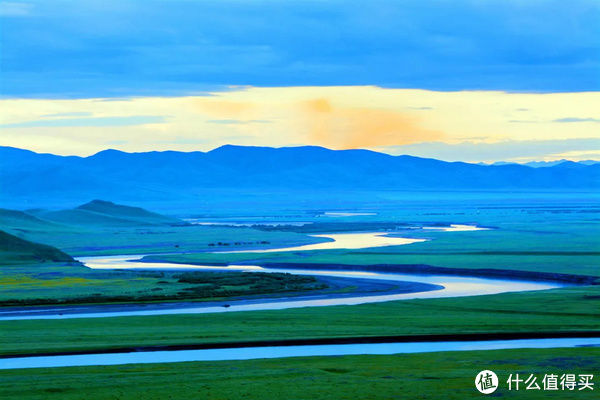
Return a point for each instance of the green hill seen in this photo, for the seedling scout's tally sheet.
(14, 250)
(14, 220)
(105, 213)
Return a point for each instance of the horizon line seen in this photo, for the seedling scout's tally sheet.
(493, 163)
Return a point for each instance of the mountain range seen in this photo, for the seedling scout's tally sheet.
(544, 164)
(31, 178)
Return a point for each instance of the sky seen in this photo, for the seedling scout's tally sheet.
(456, 80)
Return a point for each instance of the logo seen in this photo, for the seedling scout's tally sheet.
(486, 382)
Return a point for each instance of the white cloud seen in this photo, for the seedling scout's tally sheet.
(15, 9)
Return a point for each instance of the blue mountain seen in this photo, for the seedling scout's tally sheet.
(28, 177)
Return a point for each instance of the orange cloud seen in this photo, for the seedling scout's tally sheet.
(360, 127)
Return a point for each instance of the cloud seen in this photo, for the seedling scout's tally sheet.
(353, 127)
(336, 117)
(68, 114)
(585, 155)
(87, 122)
(558, 120)
(180, 47)
(419, 108)
(573, 119)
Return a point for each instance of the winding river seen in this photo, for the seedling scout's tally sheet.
(364, 240)
(249, 353)
(447, 286)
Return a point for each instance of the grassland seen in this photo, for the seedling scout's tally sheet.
(25, 285)
(104, 228)
(531, 235)
(540, 237)
(566, 309)
(88, 241)
(34, 274)
(446, 375)
(552, 245)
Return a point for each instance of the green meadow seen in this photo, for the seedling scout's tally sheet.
(558, 310)
(74, 284)
(41, 274)
(555, 245)
(447, 375)
(537, 237)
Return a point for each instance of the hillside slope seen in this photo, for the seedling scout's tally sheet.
(106, 213)
(23, 221)
(14, 250)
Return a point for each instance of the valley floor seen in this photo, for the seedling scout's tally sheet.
(534, 236)
(560, 310)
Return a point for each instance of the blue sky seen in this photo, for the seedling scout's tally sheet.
(473, 80)
(104, 48)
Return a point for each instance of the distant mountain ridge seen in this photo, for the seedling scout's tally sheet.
(106, 213)
(94, 214)
(544, 164)
(27, 177)
(128, 213)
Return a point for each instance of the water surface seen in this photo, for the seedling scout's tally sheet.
(343, 241)
(249, 353)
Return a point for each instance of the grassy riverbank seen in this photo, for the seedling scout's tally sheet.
(55, 284)
(553, 246)
(447, 375)
(533, 237)
(566, 309)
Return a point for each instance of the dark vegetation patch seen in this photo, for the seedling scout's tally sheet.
(337, 370)
(211, 284)
(569, 362)
(54, 390)
(175, 286)
(14, 250)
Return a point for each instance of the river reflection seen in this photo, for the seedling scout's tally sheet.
(249, 353)
(343, 241)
